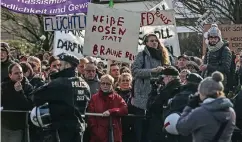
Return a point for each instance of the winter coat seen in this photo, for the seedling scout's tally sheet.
(155, 107)
(205, 121)
(94, 85)
(142, 86)
(13, 100)
(99, 126)
(214, 63)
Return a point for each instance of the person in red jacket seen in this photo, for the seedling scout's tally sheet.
(109, 103)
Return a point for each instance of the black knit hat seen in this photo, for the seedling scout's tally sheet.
(73, 60)
(194, 78)
(172, 71)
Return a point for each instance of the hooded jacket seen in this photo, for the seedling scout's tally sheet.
(205, 121)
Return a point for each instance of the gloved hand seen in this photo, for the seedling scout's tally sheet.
(194, 101)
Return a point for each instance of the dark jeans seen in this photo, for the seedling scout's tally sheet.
(140, 126)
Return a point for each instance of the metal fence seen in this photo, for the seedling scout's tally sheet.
(111, 136)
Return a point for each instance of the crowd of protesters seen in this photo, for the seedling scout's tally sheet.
(151, 87)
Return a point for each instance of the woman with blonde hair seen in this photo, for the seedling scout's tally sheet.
(147, 63)
(109, 103)
(125, 91)
(214, 119)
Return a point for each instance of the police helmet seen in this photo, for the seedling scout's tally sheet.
(170, 123)
(40, 116)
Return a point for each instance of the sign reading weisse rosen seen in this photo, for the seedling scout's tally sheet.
(231, 33)
(111, 33)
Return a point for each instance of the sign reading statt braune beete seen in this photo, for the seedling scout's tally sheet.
(111, 33)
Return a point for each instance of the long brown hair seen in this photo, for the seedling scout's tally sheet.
(165, 60)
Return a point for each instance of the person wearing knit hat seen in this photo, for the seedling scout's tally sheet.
(208, 116)
(218, 56)
(5, 60)
(211, 86)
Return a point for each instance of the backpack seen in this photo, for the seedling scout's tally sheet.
(143, 65)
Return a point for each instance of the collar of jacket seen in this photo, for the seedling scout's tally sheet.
(69, 72)
(100, 93)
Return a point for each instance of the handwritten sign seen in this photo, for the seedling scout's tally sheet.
(159, 17)
(62, 23)
(70, 42)
(111, 33)
(231, 33)
(166, 34)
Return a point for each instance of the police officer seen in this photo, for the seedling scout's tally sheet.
(67, 97)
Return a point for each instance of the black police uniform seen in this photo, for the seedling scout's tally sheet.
(67, 97)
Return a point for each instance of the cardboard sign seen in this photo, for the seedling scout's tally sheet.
(70, 42)
(111, 33)
(231, 33)
(159, 17)
(62, 23)
(167, 35)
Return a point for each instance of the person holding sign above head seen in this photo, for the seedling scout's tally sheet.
(147, 64)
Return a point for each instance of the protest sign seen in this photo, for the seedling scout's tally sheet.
(70, 42)
(46, 7)
(62, 23)
(166, 34)
(159, 17)
(111, 33)
(231, 33)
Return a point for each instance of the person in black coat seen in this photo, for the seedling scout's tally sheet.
(67, 96)
(179, 102)
(15, 96)
(158, 100)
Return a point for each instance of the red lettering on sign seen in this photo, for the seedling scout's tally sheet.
(95, 50)
(102, 50)
(129, 55)
(120, 21)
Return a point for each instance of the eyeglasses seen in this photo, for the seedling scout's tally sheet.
(106, 83)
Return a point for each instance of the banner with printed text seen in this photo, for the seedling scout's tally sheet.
(231, 33)
(166, 34)
(70, 42)
(65, 22)
(46, 7)
(111, 33)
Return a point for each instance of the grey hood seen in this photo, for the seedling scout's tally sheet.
(93, 84)
(219, 108)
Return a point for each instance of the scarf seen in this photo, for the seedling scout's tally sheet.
(215, 47)
(155, 53)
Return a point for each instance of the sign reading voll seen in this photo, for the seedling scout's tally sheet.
(62, 23)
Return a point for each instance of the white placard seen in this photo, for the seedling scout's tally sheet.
(65, 22)
(111, 33)
(159, 17)
(70, 42)
(166, 34)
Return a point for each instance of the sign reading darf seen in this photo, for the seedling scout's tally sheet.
(231, 33)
